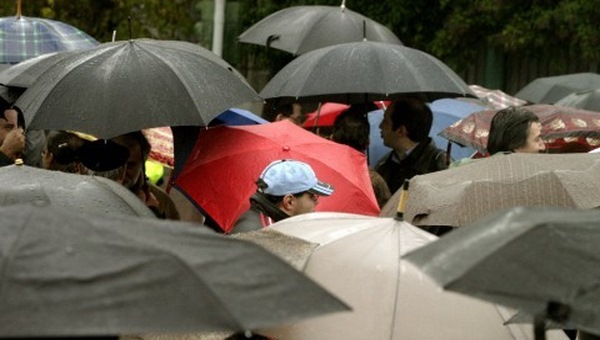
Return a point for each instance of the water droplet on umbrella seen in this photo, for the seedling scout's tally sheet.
(286, 148)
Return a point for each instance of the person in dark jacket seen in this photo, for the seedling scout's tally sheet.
(286, 188)
(405, 129)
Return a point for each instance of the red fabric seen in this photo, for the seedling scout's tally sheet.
(563, 129)
(326, 116)
(220, 173)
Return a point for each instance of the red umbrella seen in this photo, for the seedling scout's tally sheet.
(562, 128)
(220, 174)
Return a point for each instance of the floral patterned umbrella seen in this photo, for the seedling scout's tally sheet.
(562, 128)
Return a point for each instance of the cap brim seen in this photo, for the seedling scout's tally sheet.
(322, 189)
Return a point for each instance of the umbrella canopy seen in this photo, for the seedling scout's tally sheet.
(459, 196)
(25, 73)
(161, 138)
(549, 90)
(21, 184)
(496, 99)
(22, 38)
(358, 257)
(301, 29)
(71, 273)
(364, 72)
(539, 260)
(130, 85)
(560, 126)
(585, 100)
(221, 172)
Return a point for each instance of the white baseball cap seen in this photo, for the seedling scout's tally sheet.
(288, 176)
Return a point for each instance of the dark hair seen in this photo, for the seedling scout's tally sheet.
(64, 146)
(135, 136)
(414, 114)
(509, 129)
(352, 127)
(272, 109)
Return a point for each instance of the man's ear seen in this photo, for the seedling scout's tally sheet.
(279, 117)
(287, 203)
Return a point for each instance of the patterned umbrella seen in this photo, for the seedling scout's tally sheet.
(22, 37)
(561, 126)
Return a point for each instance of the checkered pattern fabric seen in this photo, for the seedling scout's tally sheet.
(24, 38)
(496, 99)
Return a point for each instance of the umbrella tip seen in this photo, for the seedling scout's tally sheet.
(18, 9)
(343, 5)
(402, 202)
(19, 162)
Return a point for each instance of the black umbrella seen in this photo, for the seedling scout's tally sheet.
(21, 184)
(549, 90)
(543, 261)
(363, 72)
(26, 73)
(301, 29)
(586, 100)
(70, 273)
(131, 85)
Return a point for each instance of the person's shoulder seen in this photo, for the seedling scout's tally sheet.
(382, 160)
(249, 221)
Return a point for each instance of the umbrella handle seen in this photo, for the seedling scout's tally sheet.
(539, 328)
(18, 9)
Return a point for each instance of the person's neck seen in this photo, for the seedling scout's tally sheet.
(404, 145)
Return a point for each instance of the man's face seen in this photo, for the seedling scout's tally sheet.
(305, 204)
(8, 122)
(387, 132)
(134, 165)
(534, 142)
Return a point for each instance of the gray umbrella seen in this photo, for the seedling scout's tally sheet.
(22, 184)
(586, 100)
(131, 85)
(70, 273)
(543, 261)
(301, 29)
(362, 72)
(25, 73)
(549, 90)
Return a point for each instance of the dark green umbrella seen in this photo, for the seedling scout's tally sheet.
(543, 261)
(65, 272)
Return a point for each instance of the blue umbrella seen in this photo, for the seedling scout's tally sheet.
(445, 113)
(22, 37)
(235, 116)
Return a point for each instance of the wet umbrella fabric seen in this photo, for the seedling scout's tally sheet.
(560, 126)
(528, 259)
(461, 195)
(22, 38)
(301, 29)
(358, 257)
(585, 100)
(91, 194)
(364, 72)
(25, 73)
(123, 275)
(220, 174)
(549, 90)
(496, 99)
(133, 85)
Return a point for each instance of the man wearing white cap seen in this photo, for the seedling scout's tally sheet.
(285, 188)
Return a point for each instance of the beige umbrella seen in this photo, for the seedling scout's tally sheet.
(461, 195)
(358, 260)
